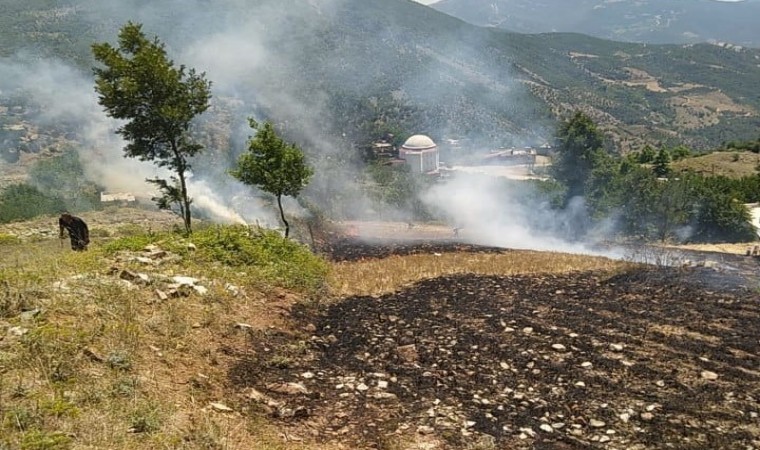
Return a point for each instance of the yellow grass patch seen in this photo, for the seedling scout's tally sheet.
(379, 276)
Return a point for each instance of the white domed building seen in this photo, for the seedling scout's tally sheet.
(420, 153)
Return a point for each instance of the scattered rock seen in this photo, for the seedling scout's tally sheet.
(288, 388)
(408, 353)
(594, 423)
(221, 407)
(616, 347)
(559, 347)
(710, 376)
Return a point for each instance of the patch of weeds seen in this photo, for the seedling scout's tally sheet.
(18, 292)
(20, 418)
(133, 242)
(42, 440)
(207, 435)
(145, 418)
(7, 239)
(53, 351)
(59, 407)
(124, 387)
(119, 360)
(99, 232)
(280, 362)
(277, 260)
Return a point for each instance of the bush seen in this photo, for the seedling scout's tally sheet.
(22, 202)
(283, 261)
(276, 260)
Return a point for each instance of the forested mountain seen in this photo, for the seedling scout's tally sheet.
(650, 21)
(363, 67)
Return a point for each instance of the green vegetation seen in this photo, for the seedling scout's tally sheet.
(651, 201)
(277, 167)
(55, 184)
(23, 201)
(140, 84)
(274, 260)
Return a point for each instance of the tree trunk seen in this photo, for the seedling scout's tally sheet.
(282, 215)
(184, 200)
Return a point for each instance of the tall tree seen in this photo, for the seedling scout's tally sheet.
(580, 149)
(661, 163)
(158, 101)
(273, 165)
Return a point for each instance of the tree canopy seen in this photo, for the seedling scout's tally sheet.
(158, 101)
(273, 165)
(580, 146)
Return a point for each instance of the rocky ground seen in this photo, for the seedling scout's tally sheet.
(655, 358)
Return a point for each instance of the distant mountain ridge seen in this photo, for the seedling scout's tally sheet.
(651, 21)
(358, 67)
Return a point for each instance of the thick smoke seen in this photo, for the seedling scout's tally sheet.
(245, 49)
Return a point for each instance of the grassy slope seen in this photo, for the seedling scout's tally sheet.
(730, 164)
(106, 364)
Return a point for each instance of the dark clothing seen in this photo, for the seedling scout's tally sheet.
(77, 229)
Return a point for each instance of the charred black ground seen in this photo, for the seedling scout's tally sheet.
(646, 359)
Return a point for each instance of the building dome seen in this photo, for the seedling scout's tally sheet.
(418, 142)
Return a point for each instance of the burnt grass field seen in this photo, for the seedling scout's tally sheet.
(650, 358)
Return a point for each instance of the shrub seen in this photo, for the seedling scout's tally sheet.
(22, 201)
(283, 261)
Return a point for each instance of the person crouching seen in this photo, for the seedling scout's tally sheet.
(77, 230)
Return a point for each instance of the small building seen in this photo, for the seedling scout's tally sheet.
(420, 153)
(121, 198)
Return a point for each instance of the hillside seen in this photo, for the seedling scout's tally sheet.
(650, 21)
(245, 341)
(729, 164)
(363, 68)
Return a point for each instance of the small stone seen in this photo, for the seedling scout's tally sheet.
(660, 383)
(625, 417)
(382, 384)
(509, 330)
(288, 388)
(596, 423)
(587, 365)
(580, 384)
(362, 387)
(647, 416)
(710, 376)
(558, 425)
(546, 427)
(29, 315)
(384, 396)
(17, 331)
(221, 407)
(307, 375)
(407, 353)
(527, 330)
(162, 295)
(424, 429)
(616, 347)
(559, 347)
(604, 439)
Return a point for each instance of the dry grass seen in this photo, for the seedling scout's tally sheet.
(107, 365)
(379, 276)
(730, 164)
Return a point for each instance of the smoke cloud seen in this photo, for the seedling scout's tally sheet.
(247, 52)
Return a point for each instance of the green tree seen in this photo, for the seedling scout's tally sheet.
(139, 84)
(23, 201)
(580, 149)
(722, 218)
(273, 165)
(662, 163)
(647, 155)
